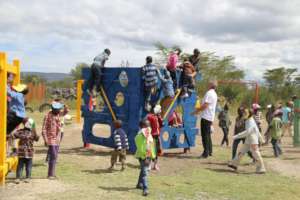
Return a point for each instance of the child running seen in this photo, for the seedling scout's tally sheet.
(121, 145)
(252, 138)
(27, 136)
(276, 132)
(145, 152)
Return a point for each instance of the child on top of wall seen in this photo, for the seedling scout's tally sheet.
(187, 78)
(145, 152)
(121, 145)
(172, 65)
(26, 137)
(97, 71)
(156, 123)
(276, 132)
(150, 77)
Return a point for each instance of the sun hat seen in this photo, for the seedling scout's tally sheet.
(19, 87)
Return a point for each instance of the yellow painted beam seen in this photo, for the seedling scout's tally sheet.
(17, 66)
(3, 108)
(78, 101)
(108, 104)
(172, 103)
(11, 69)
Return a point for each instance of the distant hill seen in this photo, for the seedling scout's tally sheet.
(49, 76)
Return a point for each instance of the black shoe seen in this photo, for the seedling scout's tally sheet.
(139, 186)
(145, 193)
(203, 157)
(232, 166)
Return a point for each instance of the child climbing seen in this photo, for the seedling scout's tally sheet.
(276, 132)
(121, 145)
(27, 136)
(16, 113)
(252, 138)
(172, 65)
(195, 59)
(51, 132)
(224, 123)
(150, 77)
(168, 90)
(187, 78)
(156, 123)
(97, 70)
(145, 152)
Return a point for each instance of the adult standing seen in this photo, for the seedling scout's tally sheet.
(207, 109)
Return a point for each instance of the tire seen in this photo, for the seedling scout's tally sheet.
(45, 107)
(28, 109)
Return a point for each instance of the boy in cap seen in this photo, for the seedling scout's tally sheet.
(121, 145)
(156, 123)
(51, 132)
(27, 136)
(16, 113)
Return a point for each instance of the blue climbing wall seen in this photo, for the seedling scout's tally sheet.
(132, 110)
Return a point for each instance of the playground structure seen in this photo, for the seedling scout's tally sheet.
(6, 163)
(123, 93)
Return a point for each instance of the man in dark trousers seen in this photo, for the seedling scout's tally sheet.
(207, 109)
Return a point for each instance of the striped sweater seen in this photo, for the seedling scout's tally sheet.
(120, 139)
(150, 75)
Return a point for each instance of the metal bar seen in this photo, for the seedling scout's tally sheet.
(79, 101)
(172, 103)
(108, 104)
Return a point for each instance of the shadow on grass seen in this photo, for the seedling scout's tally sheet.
(99, 171)
(230, 171)
(180, 155)
(77, 151)
(120, 189)
(130, 165)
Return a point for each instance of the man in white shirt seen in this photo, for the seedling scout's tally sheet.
(207, 109)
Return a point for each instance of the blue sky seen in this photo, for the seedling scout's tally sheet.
(52, 36)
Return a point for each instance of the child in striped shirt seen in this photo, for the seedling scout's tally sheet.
(121, 145)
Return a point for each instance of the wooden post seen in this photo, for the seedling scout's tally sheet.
(3, 109)
(78, 101)
(17, 79)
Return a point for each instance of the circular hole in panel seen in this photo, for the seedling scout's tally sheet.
(119, 99)
(181, 138)
(165, 136)
(101, 130)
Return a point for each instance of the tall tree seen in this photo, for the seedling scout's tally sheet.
(76, 71)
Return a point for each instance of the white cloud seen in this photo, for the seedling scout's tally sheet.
(55, 35)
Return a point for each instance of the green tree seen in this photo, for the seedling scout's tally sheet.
(34, 79)
(76, 71)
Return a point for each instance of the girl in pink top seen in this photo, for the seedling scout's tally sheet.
(172, 65)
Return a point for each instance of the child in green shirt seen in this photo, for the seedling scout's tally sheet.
(276, 132)
(145, 152)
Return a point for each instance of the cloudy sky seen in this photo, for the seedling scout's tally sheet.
(54, 35)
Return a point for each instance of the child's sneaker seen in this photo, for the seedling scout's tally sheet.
(26, 180)
(232, 166)
(17, 181)
(148, 107)
(145, 193)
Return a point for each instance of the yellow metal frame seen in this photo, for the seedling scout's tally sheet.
(172, 104)
(6, 164)
(79, 101)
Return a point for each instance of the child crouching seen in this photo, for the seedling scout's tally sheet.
(26, 137)
(121, 145)
(145, 152)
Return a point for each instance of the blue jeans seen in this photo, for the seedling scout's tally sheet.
(143, 174)
(276, 147)
(28, 166)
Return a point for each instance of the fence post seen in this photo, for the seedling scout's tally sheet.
(296, 138)
(78, 101)
(17, 79)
